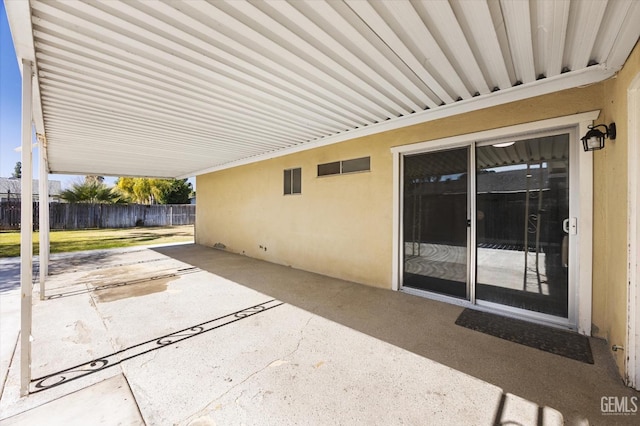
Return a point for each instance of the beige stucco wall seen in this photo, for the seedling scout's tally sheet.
(611, 214)
(341, 226)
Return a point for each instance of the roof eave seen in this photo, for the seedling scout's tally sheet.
(586, 76)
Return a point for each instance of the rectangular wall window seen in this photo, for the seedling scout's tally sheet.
(356, 165)
(329, 169)
(346, 166)
(293, 181)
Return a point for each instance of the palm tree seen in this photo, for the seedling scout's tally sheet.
(90, 191)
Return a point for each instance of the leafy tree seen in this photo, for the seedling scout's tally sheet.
(155, 191)
(141, 190)
(17, 171)
(125, 186)
(179, 192)
(90, 191)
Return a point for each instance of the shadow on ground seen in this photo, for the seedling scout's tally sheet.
(427, 328)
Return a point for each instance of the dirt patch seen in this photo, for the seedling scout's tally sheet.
(134, 290)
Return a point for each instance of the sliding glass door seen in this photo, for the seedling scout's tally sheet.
(522, 236)
(435, 222)
(512, 248)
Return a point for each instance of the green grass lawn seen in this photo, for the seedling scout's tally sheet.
(95, 239)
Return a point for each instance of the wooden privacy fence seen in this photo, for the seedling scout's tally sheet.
(84, 216)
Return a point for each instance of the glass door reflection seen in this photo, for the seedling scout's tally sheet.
(522, 203)
(435, 222)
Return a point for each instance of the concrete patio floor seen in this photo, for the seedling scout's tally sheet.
(191, 335)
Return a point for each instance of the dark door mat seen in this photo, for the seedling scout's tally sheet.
(559, 342)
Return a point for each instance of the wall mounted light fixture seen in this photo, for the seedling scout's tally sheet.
(594, 139)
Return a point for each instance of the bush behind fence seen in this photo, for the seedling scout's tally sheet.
(85, 216)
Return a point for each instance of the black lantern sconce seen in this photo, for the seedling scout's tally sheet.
(594, 139)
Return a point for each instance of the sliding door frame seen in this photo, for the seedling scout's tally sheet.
(470, 230)
(581, 207)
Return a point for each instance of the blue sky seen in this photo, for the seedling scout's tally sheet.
(10, 89)
(9, 99)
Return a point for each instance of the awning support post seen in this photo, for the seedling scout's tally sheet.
(26, 232)
(44, 214)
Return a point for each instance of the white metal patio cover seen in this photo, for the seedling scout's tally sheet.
(176, 88)
(180, 88)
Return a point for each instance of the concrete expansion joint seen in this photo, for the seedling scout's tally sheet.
(135, 400)
(112, 342)
(13, 354)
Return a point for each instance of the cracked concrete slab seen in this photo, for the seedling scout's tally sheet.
(208, 366)
(325, 352)
(9, 330)
(66, 332)
(106, 403)
(324, 380)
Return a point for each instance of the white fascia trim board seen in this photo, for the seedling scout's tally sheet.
(584, 272)
(19, 17)
(114, 172)
(590, 75)
(518, 129)
(633, 271)
(396, 223)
